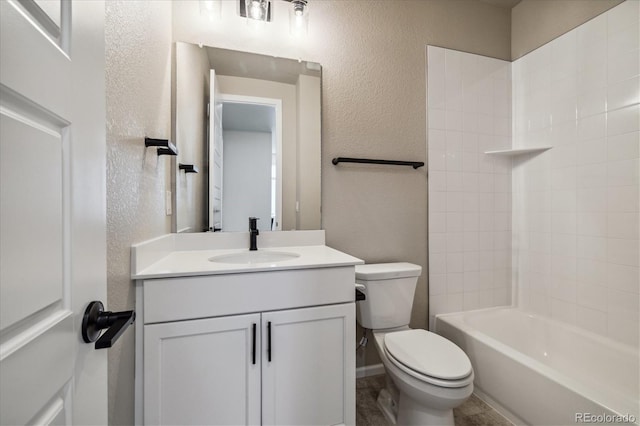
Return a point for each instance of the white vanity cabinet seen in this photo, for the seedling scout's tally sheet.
(196, 338)
(202, 372)
(311, 351)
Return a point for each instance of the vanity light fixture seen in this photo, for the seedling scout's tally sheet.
(259, 10)
(262, 10)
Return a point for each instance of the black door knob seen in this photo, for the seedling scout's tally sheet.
(96, 319)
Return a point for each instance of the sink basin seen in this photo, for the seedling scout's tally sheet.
(254, 257)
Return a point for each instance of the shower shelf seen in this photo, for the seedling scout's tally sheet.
(518, 151)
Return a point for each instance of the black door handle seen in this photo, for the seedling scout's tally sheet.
(96, 319)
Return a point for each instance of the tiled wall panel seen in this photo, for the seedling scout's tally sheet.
(575, 206)
(469, 112)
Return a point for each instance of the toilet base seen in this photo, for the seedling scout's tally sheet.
(388, 406)
(411, 412)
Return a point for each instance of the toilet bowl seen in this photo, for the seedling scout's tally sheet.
(429, 374)
(423, 399)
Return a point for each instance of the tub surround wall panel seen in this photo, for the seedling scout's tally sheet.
(536, 22)
(576, 215)
(469, 113)
(138, 96)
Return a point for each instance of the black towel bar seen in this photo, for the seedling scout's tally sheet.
(414, 164)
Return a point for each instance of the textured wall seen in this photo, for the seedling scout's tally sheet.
(138, 86)
(536, 22)
(373, 105)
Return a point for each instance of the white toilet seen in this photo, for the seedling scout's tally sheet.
(429, 374)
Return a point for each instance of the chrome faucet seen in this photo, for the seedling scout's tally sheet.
(253, 233)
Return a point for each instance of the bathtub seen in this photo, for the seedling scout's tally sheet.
(543, 372)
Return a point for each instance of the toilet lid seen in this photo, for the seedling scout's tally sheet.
(428, 353)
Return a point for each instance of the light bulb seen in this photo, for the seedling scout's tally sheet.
(210, 8)
(299, 18)
(256, 10)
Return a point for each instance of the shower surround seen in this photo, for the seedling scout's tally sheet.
(572, 219)
(554, 232)
(469, 107)
(575, 207)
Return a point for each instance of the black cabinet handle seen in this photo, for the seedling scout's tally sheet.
(269, 341)
(95, 319)
(253, 345)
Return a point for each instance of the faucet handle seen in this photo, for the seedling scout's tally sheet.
(253, 225)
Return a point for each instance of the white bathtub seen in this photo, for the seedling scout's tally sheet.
(544, 372)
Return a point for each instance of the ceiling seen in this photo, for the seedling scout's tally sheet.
(506, 4)
(248, 117)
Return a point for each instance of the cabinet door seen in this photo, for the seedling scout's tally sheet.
(309, 378)
(202, 371)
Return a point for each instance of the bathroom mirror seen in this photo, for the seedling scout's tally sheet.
(247, 128)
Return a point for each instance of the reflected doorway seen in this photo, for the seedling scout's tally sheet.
(251, 157)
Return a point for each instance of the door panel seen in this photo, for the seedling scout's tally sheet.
(31, 183)
(52, 210)
(202, 372)
(32, 383)
(52, 11)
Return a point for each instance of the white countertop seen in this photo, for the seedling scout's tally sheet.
(180, 262)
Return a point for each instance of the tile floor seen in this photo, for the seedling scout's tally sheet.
(473, 412)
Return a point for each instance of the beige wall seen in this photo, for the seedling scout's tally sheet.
(190, 101)
(308, 93)
(373, 105)
(536, 22)
(374, 99)
(138, 89)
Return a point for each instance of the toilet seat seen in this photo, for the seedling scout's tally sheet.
(429, 357)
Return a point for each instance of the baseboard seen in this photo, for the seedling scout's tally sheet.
(369, 370)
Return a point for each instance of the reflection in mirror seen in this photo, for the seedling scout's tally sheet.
(251, 124)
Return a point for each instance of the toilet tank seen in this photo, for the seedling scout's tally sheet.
(389, 290)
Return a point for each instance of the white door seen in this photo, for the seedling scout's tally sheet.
(203, 372)
(215, 154)
(52, 210)
(309, 366)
